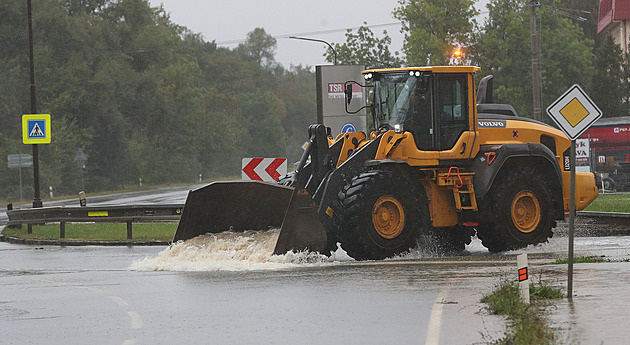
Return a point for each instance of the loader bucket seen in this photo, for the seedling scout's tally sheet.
(253, 205)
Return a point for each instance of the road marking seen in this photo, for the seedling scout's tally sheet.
(136, 320)
(129, 342)
(118, 300)
(435, 321)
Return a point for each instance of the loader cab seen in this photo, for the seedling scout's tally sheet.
(431, 106)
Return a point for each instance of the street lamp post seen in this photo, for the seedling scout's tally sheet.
(37, 201)
(318, 40)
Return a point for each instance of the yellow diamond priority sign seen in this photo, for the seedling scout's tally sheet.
(574, 112)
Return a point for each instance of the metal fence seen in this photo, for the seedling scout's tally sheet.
(106, 214)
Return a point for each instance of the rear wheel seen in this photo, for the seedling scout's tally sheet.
(518, 211)
(609, 184)
(382, 215)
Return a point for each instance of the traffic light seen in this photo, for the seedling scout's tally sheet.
(457, 53)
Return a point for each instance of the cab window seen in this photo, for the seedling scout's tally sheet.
(452, 108)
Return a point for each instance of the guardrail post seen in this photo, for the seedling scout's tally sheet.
(62, 230)
(29, 228)
(129, 233)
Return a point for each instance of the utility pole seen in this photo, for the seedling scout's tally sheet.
(535, 81)
(37, 201)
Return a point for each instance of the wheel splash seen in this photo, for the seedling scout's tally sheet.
(228, 251)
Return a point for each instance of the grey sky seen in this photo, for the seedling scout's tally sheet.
(228, 22)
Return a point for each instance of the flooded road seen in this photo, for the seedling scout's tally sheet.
(230, 290)
(159, 295)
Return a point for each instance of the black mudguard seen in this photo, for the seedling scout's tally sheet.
(492, 158)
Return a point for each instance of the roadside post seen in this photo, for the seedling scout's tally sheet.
(82, 200)
(523, 277)
(81, 159)
(574, 112)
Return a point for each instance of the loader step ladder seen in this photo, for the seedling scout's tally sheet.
(458, 193)
(463, 189)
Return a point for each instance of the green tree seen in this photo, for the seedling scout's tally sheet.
(433, 28)
(609, 85)
(142, 96)
(260, 47)
(364, 48)
(297, 91)
(503, 49)
(264, 113)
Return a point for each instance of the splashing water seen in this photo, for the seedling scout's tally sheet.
(228, 251)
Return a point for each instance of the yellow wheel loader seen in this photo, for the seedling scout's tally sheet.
(441, 161)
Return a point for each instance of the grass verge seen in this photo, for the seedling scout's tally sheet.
(586, 260)
(581, 260)
(527, 323)
(610, 203)
(97, 232)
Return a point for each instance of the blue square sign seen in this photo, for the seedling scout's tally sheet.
(36, 129)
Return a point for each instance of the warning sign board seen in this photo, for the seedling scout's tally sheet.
(574, 112)
(36, 129)
(263, 169)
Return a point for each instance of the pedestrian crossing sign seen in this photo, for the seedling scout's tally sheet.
(36, 129)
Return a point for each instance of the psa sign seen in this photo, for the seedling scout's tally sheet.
(36, 129)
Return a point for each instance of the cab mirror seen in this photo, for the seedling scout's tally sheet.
(348, 92)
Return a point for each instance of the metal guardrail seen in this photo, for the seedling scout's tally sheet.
(157, 213)
(105, 214)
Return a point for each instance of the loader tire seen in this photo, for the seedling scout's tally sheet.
(518, 211)
(382, 214)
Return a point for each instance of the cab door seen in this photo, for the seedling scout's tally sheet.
(452, 115)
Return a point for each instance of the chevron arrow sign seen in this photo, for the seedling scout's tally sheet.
(263, 169)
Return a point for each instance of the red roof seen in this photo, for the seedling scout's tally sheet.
(611, 10)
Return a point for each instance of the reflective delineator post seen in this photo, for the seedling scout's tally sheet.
(82, 200)
(523, 277)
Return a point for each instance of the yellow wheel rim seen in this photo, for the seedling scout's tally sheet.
(388, 217)
(526, 211)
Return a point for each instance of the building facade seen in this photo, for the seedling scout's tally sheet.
(614, 20)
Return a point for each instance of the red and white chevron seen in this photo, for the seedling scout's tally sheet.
(263, 169)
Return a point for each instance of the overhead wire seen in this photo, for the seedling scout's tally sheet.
(311, 33)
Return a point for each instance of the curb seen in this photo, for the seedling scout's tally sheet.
(15, 240)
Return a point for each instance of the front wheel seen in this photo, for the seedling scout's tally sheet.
(382, 215)
(518, 211)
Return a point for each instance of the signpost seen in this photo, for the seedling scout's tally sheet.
(37, 132)
(20, 161)
(36, 129)
(573, 112)
(331, 107)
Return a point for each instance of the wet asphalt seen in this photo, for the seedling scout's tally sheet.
(71, 295)
(68, 295)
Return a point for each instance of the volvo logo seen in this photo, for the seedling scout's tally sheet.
(491, 124)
